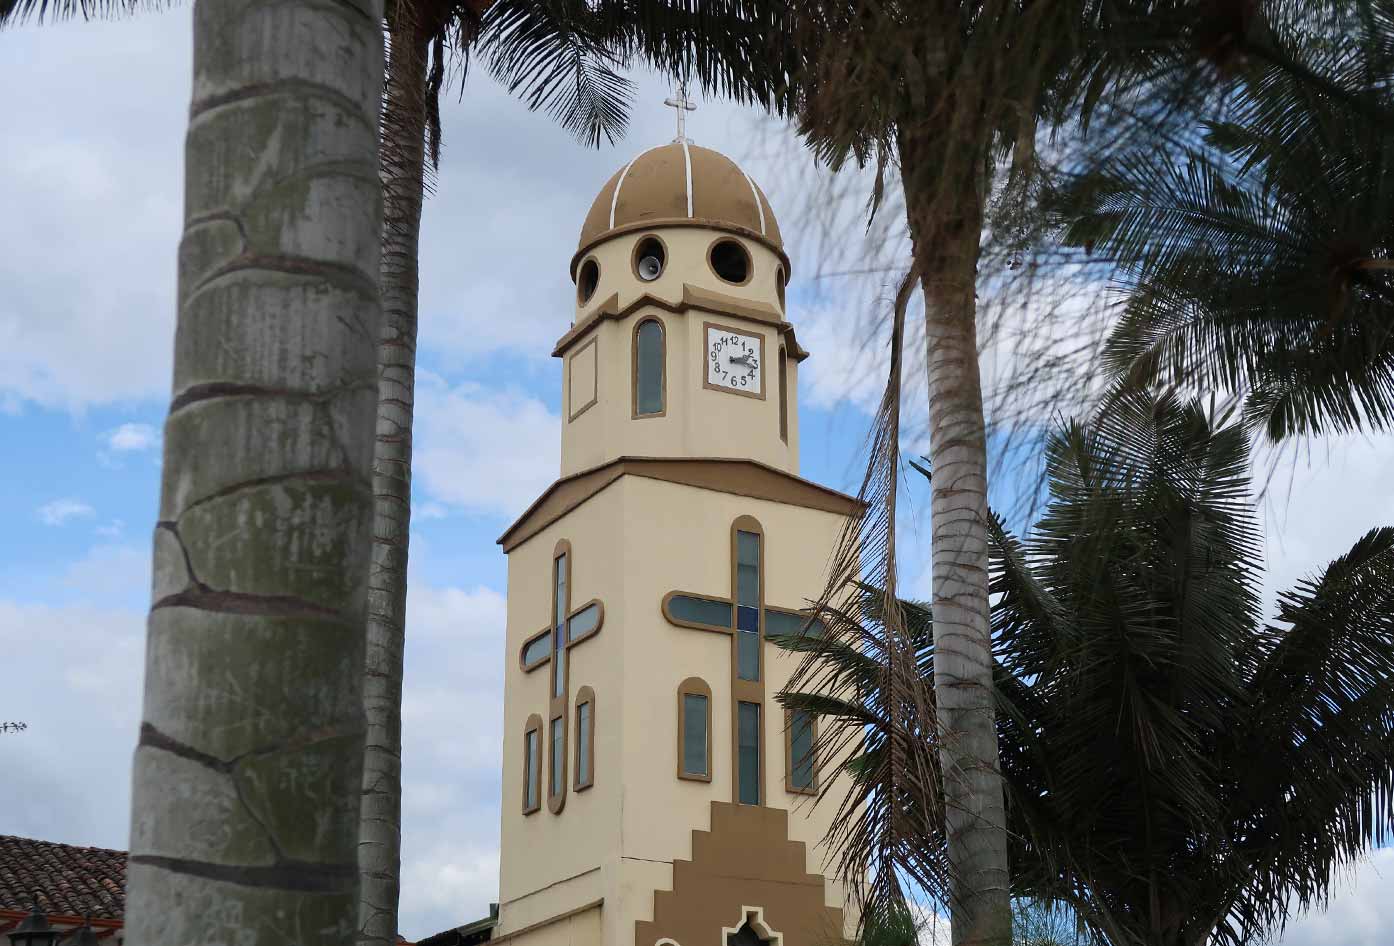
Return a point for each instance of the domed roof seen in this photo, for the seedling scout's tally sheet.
(680, 184)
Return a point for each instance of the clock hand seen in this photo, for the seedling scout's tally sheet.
(742, 360)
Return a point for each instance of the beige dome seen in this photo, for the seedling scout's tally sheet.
(678, 185)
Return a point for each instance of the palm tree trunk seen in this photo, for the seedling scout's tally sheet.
(946, 227)
(245, 801)
(403, 166)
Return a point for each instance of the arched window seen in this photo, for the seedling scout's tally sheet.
(585, 738)
(695, 730)
(783, 396)
(532, 764)
(649, 369)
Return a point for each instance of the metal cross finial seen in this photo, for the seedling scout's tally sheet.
(681, 103)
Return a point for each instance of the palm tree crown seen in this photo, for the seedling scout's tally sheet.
(1259, 256)
(1178, 772)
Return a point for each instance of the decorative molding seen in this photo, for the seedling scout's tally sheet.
(739, 477)
(693, 297)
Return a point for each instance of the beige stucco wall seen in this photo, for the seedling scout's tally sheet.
(698, 421)
(631, 543)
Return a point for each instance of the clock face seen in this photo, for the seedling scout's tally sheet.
(735, 361)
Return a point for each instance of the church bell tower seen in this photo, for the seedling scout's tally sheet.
(654, 791)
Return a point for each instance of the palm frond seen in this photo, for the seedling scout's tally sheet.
(556, 56)
(18, 12)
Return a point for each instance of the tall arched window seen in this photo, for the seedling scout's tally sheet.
(649, 369)
(783, 396)
(695, 730)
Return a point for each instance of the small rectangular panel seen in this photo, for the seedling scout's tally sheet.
(558, 755)
(582, 379)
(583, 744)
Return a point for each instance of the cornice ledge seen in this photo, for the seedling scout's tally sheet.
(693, 297)
(757, 481)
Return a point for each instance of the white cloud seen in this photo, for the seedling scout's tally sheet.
(59, 512)
(483, 451)
(1361, 912)
(67, 777)
(427, 512)
(130, 437)
(452, 728)
(92, 196)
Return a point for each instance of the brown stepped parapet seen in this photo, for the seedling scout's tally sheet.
(744, 867)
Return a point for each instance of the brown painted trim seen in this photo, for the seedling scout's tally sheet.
(679, 622)
(706, 357)
(749, 261)
(530, 667)
(583, 696)
(599, 621)
(661, 222)
(747, 691)
(634, 257)
(789, 754)
(534, 724)
(540, 924)
(574, 411)
(783, 382)
(697, 687)
(557, 704)
(693, 297)
(579, 300)
(739, 477)
(634, 368)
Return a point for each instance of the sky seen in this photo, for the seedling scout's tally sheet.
(90, 215)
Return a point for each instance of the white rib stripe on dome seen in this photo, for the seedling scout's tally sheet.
(687, 160)
(615, 197)
(759, 206)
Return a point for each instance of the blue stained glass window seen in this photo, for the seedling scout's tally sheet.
(583, 744)
(785, 622)
(694, 734)
(536, 650)
(648, 380)
(800, 750)
(700, 610)
(530, 763)
(558, 755)
(748, 753)
(583, 622)
(559, 627)
(747, 605)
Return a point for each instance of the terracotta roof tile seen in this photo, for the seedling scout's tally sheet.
(71, 880)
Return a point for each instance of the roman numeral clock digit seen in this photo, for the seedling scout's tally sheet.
(735, 361)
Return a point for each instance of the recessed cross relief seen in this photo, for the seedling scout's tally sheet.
(552, 647)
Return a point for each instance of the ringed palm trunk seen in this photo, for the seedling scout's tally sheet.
(945, 228)
(403, 178)
(247, 772)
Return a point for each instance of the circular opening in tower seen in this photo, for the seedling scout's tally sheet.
(649, 258)
(586, 281)
(730, 261)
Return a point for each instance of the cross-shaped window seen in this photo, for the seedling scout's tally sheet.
(552, 645)
(748, 620)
